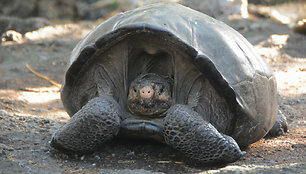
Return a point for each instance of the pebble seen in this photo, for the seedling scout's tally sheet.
(22, 163)
(44, 149)
(97, 157)
(4, 113)
(2, 152)
(130, 154)
(42, 130)
(44, 121)
(82, 158)
(21, 118)
(12, 125)
(38, 110)
(5, 147)
(298, 146)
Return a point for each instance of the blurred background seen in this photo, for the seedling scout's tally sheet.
(26, 15)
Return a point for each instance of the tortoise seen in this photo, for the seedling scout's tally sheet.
(186, 80)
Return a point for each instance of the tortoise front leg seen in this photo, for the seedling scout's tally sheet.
(186, 131)
(97, 122)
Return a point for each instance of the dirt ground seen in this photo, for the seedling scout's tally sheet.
(31, 109)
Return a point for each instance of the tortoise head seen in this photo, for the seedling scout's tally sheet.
(149, 95)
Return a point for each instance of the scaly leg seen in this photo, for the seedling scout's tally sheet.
(97, 122)
(280, 126)
(186, 131)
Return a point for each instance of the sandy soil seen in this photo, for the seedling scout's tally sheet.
(31, 110)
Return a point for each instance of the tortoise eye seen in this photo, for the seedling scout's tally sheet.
(161, 91)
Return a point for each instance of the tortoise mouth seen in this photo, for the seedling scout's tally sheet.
(139, 128)
(149, 108)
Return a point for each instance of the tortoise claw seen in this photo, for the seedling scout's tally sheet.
(280, 126)
(186, 131)
(98, 121)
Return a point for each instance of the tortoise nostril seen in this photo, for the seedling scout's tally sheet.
(146, 92)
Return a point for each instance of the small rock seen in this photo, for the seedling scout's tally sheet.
(42, 130)
(97, 157)
(44, 149)
(21, 118)
(5, 113)
(298, 146)
(45, 121)
(12, 125)
(130, 154)
(2, 153)
(5, 147)
(22, 163)
(38, 110)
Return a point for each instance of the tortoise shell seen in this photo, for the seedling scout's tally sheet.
(198, 52)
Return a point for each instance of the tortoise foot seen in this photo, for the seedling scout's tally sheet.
(280, 126)
(186, 131)
(98, 121)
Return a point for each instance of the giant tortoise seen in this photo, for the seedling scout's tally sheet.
(172, 74)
